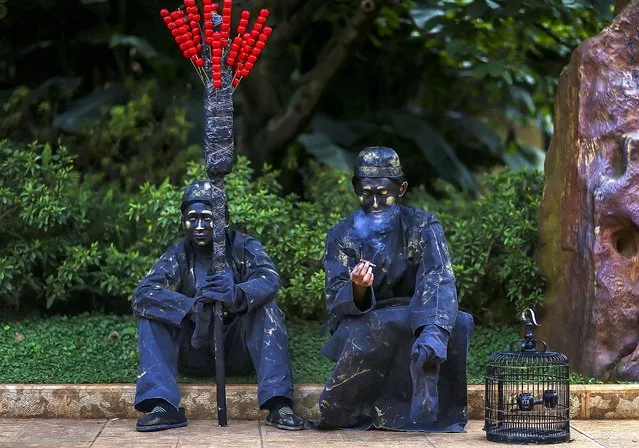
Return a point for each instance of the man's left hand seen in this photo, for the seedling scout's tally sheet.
(430, 347)
(219, 287)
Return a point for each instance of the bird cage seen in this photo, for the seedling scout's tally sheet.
(527, 392)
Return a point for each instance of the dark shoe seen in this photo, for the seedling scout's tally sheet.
(284, 418)
(162, 417)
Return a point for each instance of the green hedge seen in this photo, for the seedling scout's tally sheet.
(69, 243)
(96, 348)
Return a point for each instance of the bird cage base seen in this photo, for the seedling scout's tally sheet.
(525, 435)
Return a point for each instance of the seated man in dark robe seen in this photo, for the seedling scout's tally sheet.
(397, 336)
(174, 305)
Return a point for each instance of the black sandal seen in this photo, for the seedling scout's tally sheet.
(284, 418)
(162, 417)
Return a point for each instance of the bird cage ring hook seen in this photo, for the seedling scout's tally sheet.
(532, 320)
(529, 343)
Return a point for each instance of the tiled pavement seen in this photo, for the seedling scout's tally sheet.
(120, 433)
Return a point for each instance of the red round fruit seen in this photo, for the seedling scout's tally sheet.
(226, 11)
(208, 15)
(208, 8)
(217, 75)
(192, 51)
(256, 51)
(196, 18)
(261, 19)
(246, 14)
(175, 15)
(244, 22)
(245, 72)
(184, 46)
(268, 30)
(175, 33)
(241, 29)
(167, 20)
(258, 27)
(255, 34)
(180, 21)
(216, 60)
(217, 43)
(263, 37)
(235, 82)
(185, 53)
(197, 38)
(199, 47)
(164, 12)
(249, 65)
(208, 33)
(208, 40)
(171, 25)
(259, 44)
(264, 13)
(235, 47)
(217, 67)
(252, 59)
(230, 61)
(217, 83)
(226, 27)
(217, 51)
(199, 62)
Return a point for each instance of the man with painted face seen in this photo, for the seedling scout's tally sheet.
(174, 305)
(397, 337)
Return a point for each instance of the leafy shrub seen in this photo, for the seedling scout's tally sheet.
(492, 242)
(67, 243)
(142, 139)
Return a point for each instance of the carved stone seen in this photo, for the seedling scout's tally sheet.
(589, 239)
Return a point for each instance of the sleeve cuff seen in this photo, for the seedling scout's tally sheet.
(344, 304)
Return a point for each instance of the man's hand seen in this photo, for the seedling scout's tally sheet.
(430, 347)
(362, 275)
(362, 278)
(218, 288)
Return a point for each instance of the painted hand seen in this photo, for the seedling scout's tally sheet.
(430, 347)
(218, 288)
(362, 275)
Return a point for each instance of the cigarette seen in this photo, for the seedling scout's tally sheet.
(373, 265)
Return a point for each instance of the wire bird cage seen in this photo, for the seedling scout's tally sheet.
(527, 392)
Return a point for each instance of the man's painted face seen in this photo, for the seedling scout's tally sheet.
(198, 223)
(377, 195)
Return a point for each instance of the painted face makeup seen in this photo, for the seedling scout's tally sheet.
(378, 195)
(198, 223)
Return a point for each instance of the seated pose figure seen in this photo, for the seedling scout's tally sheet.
(397, 337)
(174, 305)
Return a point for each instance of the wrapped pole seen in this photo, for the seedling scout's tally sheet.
(218, 156)
(205, 39)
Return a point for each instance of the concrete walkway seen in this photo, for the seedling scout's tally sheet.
(120, 433)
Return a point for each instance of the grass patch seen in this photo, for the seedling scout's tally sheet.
(103, 349)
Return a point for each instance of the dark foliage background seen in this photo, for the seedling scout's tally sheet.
(463, 89)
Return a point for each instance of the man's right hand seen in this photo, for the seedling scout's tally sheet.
(362, 275)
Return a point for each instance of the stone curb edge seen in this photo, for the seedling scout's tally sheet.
(593, 401)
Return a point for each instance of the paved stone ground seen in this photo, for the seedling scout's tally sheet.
(120, 433)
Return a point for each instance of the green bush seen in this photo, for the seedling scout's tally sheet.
(492, 241)
(143, 139)
(66, 242)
